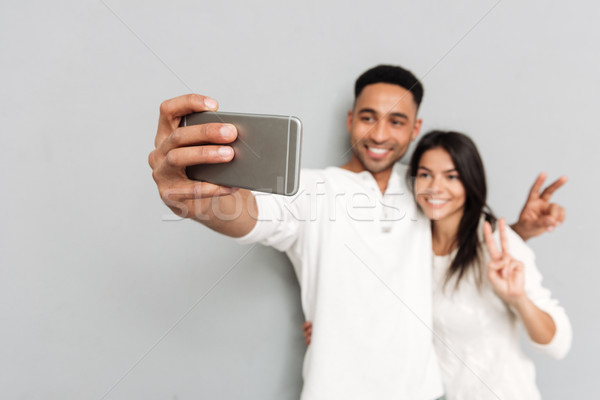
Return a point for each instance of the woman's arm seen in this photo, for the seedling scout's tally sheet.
(507, 277)
(539, 324)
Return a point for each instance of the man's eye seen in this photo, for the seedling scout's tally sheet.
(366, 119)
(398, 123)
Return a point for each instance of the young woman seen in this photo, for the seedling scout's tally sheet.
(481, 292)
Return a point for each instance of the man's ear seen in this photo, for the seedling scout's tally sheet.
(349, 120)
(416, 128)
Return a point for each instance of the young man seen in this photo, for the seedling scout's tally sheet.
(361, 252)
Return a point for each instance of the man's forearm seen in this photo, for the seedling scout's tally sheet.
(519, 231)
(232, 215)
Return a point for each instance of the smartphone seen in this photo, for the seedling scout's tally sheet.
(266, 152)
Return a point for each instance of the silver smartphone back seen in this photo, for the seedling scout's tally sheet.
(267, 152)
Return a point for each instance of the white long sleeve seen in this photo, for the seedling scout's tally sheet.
(477, 334)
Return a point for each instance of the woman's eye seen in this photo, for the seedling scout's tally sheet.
(453, 177)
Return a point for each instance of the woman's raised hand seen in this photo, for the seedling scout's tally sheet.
(504, 272)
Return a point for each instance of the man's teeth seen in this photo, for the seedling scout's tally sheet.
(377, 150)
(436, 201)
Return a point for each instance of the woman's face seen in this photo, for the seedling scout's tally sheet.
(438, 188)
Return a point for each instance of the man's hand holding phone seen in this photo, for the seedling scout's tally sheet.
(179, 147)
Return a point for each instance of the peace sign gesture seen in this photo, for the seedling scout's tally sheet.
(538, 214)
(504, 272)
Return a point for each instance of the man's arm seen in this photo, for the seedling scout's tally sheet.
(538, 214)
(226, 210)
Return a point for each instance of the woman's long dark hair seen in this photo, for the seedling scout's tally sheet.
(468, 163)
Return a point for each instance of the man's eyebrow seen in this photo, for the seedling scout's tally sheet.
(393, 114)
(367, 110)
(399, 115)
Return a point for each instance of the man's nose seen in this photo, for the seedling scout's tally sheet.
(378, 133)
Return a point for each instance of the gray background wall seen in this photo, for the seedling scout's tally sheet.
(103, 295)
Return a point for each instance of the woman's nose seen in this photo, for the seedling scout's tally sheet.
(435, 184)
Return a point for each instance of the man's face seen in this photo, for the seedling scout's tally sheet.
(382, 125)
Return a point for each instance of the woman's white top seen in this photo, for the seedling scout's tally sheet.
(476, 334)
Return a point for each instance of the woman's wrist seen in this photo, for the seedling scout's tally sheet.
(521, 304)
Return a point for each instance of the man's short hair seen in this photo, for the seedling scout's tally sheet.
(390, 74)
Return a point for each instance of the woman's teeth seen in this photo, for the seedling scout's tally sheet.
(436, 202)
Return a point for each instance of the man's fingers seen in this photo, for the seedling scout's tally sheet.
(547, 193)
(185, 156)
(186, 104)
(556, 216)
(550, 224)
(198, 134)
(172, 110)
(534, 192)
(557, 213)
(561, 214)
(489, 240)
